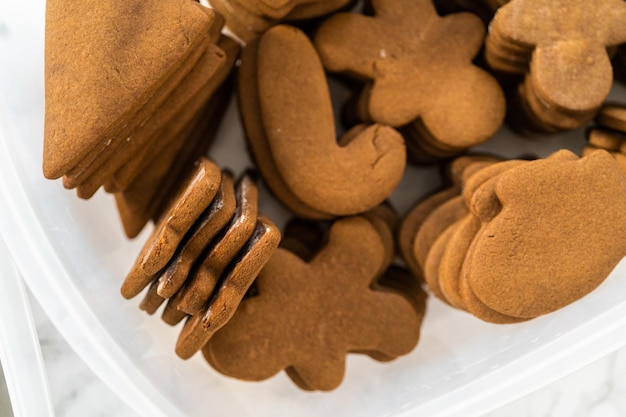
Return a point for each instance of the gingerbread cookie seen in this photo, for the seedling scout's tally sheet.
(362, 172)
(147, 197)
(577, 261)
(420, 71)
(193, 198)
(229, 51)
(235, 281)
(457, 171)
(137, 125)
(222, 251)
(297, 310)
(257, 139)
(206, 228)
(105, 79)
(562, 45)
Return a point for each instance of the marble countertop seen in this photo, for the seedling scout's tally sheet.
(597, 390)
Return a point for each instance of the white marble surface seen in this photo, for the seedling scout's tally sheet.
(597, 390)
(5, 404)
(76, 391)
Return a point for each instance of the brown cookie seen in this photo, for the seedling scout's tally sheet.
(612, 116)
(464, 166)
(220, 253)
(236, 280)
(150, 119)
(613, 141)
(363, 172)
(475, 201)
(557, 249)
(151, 300)
(620, 157)
(249, 19)
(456, 172)
(434, 224)
(260, 151)
(95, 157)
(451, 261)
(193, 198)
(221, 60)
(105, 78)
(206, 228)
(412, 222)
(610, 140)
(241, 22)
(433, 261)
(310, 315)
(475, 306)
(147, 197)
(564, 47)
(421, 68)
(134, 155)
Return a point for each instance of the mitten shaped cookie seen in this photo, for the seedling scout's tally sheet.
(420, 69)
(287, 113)
(512, 241)
(308, 315)
(557, 248)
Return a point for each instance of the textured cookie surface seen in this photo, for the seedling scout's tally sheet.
(558, 248)
(297, 116)
(105, 78)
(193, 198)
(421, 67)
(309, 315)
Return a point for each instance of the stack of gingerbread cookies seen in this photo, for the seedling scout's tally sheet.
(418, 74)
(513, 240)
(139, 90)
(204, 253)
(288, 119)
(560, 48)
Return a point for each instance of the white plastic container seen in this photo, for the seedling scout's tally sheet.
(20, 353)
(73, 256)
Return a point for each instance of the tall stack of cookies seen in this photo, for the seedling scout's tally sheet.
(560, 48)
(205, 252)
(129, 95)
